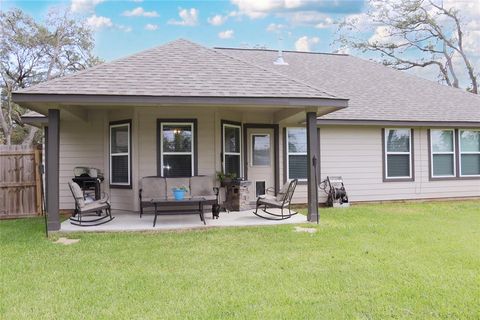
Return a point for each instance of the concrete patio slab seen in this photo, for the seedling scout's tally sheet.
(131, 221)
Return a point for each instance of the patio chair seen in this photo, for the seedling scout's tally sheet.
(281, 201)
(93, 209)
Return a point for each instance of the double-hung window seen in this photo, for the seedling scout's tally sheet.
(232, 149)
(120, 154)
(469, 143)
(297, 161)
(177, 148)
(442, 144)
(398, 154)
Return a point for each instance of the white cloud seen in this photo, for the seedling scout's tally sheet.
(275, 27)
(137, 1)
(327, 23)
(260, 8)
(217, 20)
(97, 22)
(84, 5)
(227, 34)
(383, 34)
(151, 27)
(306, 44)
(139, 12)
(124, 28)
(189, 17)
(305, 17)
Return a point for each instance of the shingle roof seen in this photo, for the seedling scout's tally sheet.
(375, 92)
(179, 68)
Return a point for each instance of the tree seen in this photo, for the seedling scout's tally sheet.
(415, 34)
(32, 52)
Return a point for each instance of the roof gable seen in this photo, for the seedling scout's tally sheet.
(375, 92)
(179, 68)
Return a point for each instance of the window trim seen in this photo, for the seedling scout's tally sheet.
(116, 124)
(432, 153)
(288, 153)
(465, 176)
(233, 124)
(251, 150)
(160, 153)
(385, 154)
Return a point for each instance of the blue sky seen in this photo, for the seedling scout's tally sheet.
(129, 26)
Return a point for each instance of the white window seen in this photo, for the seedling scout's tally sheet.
(297, 161)
(260, 153)
(232, 149)
(120, 159)
(469, 143)
(398, 154)
(177, 149)
(442, 150)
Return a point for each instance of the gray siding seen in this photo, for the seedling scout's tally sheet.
(81, 144)
(354, 152)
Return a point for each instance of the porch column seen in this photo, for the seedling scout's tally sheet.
(312, 155)
(53, 143)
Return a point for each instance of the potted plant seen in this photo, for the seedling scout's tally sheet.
(179, 192)
(225, 178)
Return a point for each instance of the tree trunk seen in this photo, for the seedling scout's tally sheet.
(28, 140)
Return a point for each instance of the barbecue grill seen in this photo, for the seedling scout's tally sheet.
(89, 180)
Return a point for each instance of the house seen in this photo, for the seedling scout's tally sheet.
(391, 135)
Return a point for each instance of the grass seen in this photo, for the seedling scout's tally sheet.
(416, 261)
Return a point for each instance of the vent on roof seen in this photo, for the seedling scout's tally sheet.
(280, 61)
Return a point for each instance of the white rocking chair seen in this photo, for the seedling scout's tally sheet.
(99, 209)
(281, 201)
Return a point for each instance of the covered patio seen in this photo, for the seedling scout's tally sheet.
(160, 121)
(130, 221)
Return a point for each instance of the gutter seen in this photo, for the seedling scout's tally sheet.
(399, 123)
(145, 100)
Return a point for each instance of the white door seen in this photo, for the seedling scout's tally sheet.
(260, 161)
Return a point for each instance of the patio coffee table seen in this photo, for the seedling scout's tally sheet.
(194, 206)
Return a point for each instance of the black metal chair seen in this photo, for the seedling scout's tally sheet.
(93, 209)
(281, 201)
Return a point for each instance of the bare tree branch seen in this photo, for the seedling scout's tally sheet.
(418, 34)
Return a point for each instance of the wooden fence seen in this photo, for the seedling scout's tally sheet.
(20, 181)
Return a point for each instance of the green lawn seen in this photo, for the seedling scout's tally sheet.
(416, 261)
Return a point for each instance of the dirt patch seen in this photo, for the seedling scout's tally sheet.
(66, 241)
(308, 230)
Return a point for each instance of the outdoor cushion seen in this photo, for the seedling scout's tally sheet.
(271, 202)
(283, 191)
(202, 186)
(77, 194)
(209, 197)
(94, 206)
(177, 183)
(153, 187)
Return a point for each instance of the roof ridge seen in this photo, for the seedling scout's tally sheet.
(276, 73)
(283, 75)
(289, 51)
(78, 73)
